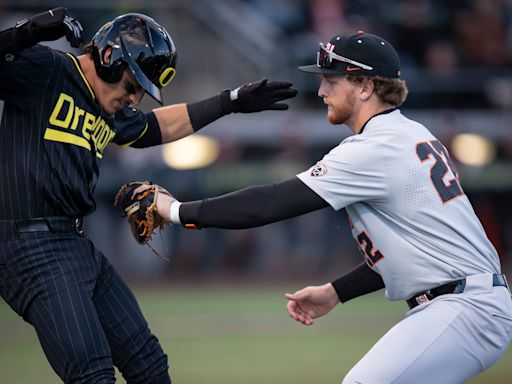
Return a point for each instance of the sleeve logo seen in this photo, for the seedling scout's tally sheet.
(319, 169)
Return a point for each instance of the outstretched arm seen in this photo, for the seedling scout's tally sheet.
(310, 303)
(249, 207)
(180, 120)
(46, 26)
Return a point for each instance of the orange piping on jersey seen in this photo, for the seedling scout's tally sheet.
(82, 74)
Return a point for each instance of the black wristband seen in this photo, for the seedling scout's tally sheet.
(226, 103)
(357, 282)
(204, 112)
(190, 213)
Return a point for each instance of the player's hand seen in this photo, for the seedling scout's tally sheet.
(74, 31)
(311, 302)
(258, 96)
(48, 26)
(163, 201)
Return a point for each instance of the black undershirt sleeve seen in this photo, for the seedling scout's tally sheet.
(253, 206)
(260, 205)
(357, 282)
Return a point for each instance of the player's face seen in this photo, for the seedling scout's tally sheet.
(123, 93)
(339, 95)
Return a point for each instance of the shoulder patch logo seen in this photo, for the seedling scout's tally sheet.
(319, 169)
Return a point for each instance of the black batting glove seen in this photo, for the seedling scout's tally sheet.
(74, 31)
(48, 26)
(259, 96)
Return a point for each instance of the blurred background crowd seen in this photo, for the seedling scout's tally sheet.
(456, 58)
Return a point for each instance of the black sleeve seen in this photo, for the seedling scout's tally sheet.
(252, 206)
(152, 136)
(7, 43)
(136, 129)
(26, 77)
(357, 282)
(46, 26)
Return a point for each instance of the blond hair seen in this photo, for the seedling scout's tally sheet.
(391, 91)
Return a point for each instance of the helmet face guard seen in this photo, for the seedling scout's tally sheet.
(139, 44)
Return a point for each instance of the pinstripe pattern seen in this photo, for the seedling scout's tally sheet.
(47, 177)
(85, 316)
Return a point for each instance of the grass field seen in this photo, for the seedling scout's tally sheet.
(236, 335)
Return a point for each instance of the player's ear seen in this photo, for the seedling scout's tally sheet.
(367, 89)
(106, 55)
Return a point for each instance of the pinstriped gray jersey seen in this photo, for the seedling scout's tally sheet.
(408, 213)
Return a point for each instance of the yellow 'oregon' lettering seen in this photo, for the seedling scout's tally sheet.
(97, 130)
(102, 139)
(79, 112)
(92, 127)
(54, 118)
(88, 124)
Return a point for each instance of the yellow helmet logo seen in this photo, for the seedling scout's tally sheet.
(166, 76)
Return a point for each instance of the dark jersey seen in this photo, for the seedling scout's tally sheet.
(52, 135)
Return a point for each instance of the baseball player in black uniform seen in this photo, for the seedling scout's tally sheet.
(60, 112)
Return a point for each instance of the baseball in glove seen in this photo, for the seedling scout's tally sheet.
(140, 209)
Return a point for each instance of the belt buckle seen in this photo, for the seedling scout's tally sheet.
(79, 226)
(422, 299)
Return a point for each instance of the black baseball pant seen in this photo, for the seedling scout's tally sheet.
(85, 316)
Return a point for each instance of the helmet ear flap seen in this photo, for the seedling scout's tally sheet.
(110, 71)
(116, 71)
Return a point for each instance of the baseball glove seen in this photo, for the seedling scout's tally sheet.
(141, 209)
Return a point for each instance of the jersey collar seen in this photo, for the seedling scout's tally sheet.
(79, 68)
(385, 112)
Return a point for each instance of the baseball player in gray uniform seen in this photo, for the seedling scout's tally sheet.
(415, 227)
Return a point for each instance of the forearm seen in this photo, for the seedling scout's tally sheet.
(14, 40)
(177, 121)
(180, 120)
(252, 207)
(46, 26)
(174, 122)
(206, 111)
(357, 282)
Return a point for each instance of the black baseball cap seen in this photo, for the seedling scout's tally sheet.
(357, 53)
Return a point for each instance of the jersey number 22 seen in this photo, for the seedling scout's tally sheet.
(446, 189)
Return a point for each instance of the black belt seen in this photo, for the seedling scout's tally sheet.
(456, 286)
(50, 224)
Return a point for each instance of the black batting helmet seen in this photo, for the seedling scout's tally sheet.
(139, 44)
